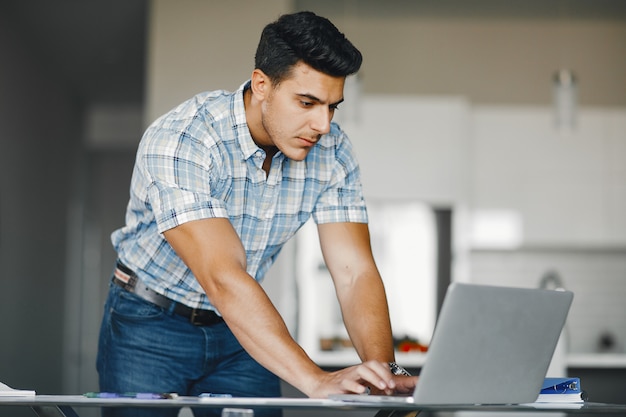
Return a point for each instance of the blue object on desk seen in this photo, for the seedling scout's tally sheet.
(561, 386)
(212, 395)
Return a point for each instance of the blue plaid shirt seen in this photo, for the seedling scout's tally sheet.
(199, 161)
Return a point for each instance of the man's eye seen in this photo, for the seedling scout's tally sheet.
(306, 103)
(334, 107)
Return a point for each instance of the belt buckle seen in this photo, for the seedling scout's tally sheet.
(194, 318)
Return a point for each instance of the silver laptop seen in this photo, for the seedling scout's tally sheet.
(491, 345)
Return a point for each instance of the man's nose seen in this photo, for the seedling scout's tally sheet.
(321, 120)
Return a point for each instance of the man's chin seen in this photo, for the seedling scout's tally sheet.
(297, 154)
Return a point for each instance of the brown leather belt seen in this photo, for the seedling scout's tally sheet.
(126, 278)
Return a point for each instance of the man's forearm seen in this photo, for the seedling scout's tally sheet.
(366, 316)
(260, 329)
(347, 253)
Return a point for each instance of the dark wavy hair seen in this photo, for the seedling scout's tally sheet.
(309, 38)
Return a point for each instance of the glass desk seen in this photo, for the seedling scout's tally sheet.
(64, 405)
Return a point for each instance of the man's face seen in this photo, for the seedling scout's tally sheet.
(298, 111)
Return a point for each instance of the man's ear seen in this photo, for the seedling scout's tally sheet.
(260, 84)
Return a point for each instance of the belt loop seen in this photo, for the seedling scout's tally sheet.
(193, 316)
(171, 310)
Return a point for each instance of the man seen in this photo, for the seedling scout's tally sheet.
(220, 184)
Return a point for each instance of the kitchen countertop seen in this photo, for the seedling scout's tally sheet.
(416, 360)
(596, 360)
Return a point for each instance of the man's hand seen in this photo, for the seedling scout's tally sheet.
(372, 375)
(405, 385)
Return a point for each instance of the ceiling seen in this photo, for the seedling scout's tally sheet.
(97, 47)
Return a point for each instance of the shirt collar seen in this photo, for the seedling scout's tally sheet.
(246, 143)
(248, 147)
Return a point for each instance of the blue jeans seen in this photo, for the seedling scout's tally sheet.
(144, 348)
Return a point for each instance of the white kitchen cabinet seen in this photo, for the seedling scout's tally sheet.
(567, 188)
(412, 147)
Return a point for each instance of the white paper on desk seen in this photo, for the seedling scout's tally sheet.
(7, 391)
(555, 405)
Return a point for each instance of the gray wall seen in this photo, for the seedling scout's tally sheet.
(38, 143)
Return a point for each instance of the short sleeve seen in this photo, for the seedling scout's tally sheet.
(343, 200)
(182, 165)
